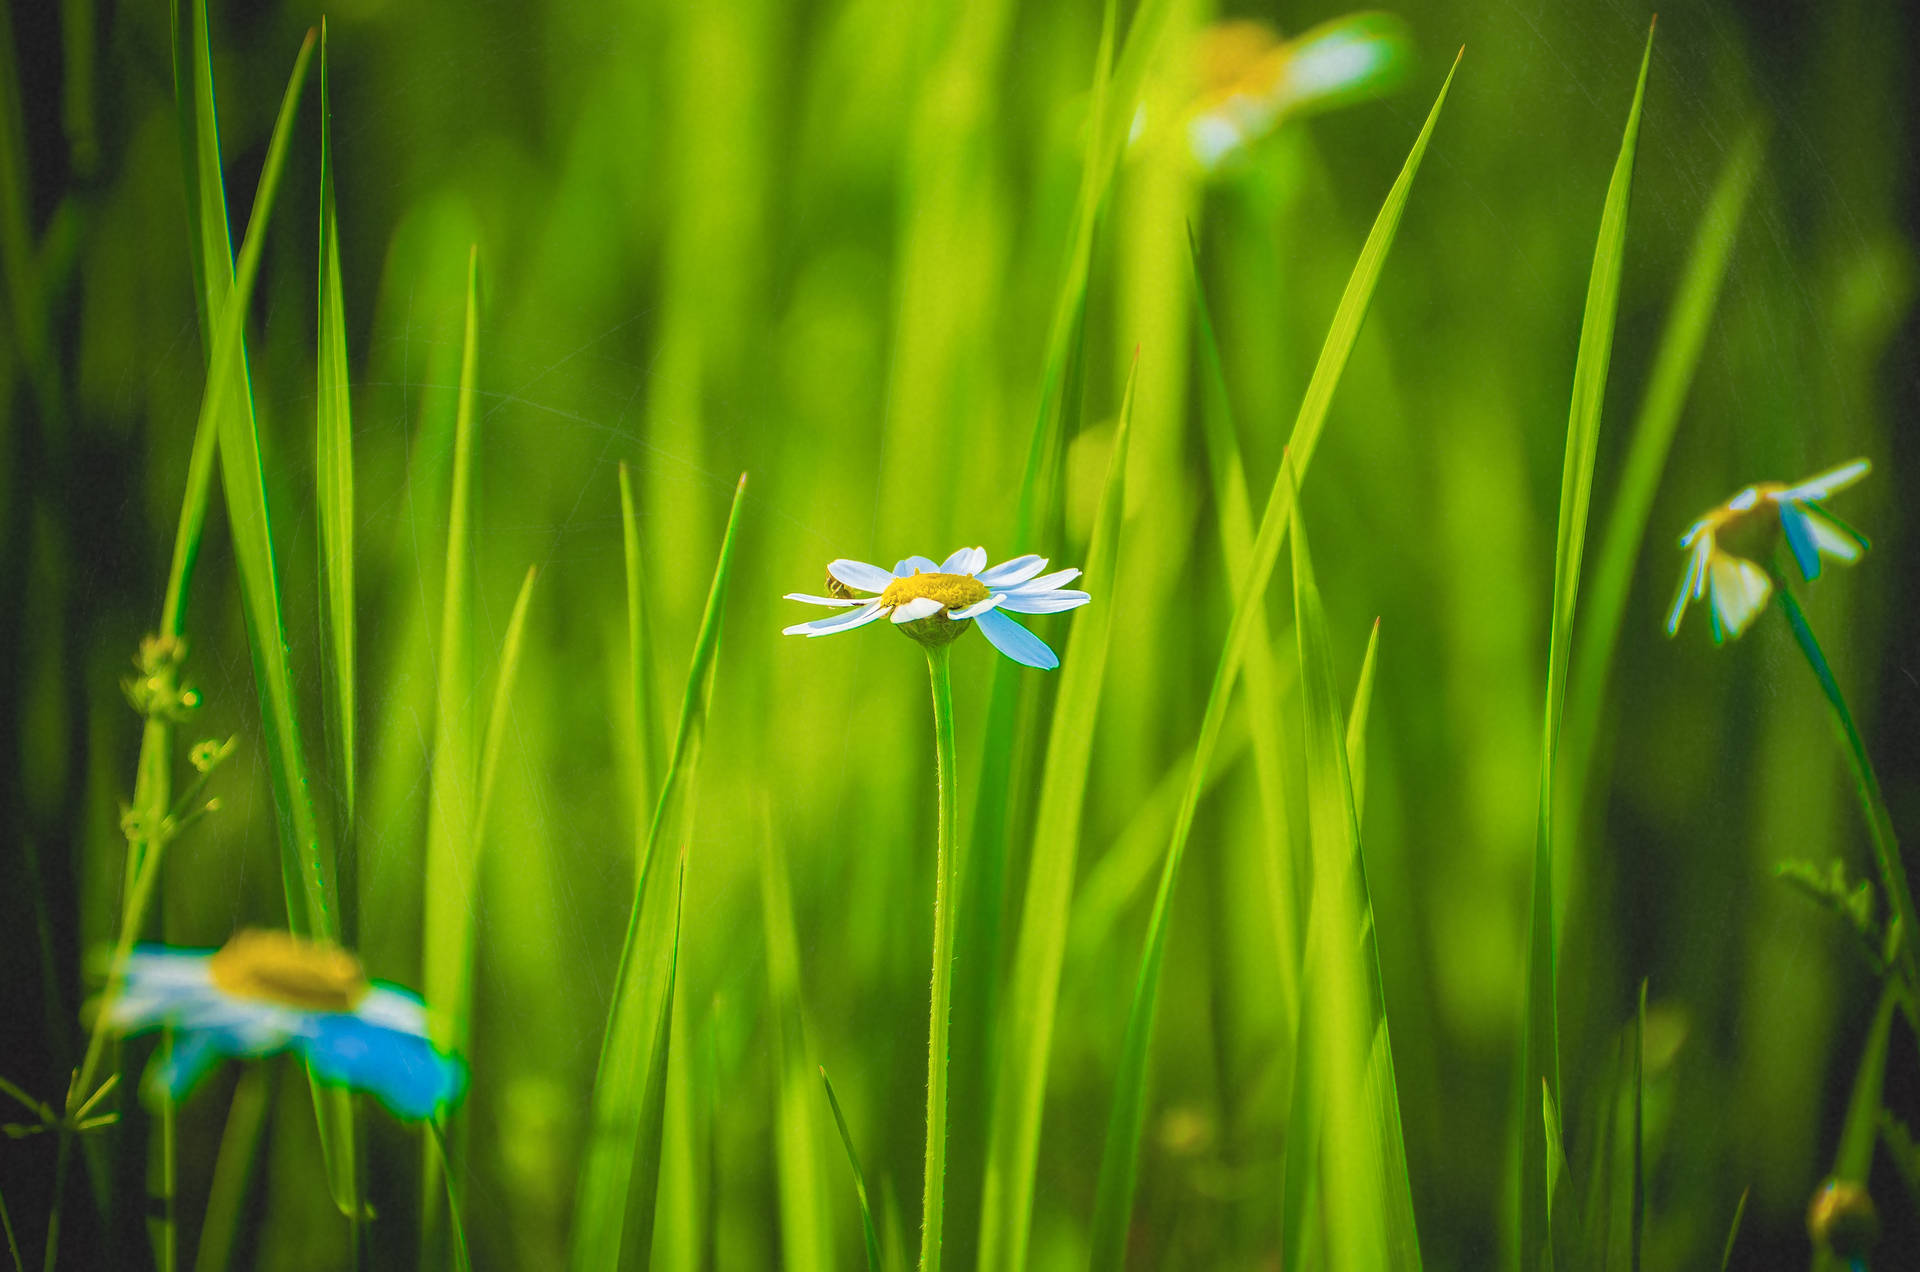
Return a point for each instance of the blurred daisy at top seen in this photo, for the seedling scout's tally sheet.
(1722, 546)
(1248, 80)
(266, 992)
(934, 603)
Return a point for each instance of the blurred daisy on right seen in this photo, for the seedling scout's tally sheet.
(1721, 546)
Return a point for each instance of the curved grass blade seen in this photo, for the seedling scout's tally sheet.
(622, 1163)
(452, 863)
(510, 646)
(859, 1180)
(648, 747)
(333, 467)
(1004, 759)
(1540, 1042)
(1357, 727)
(1228, 471)
(1350, 1144)
(1674, 364)
(1119, 1163)
(806, 1234)
(1019, 1091)
(1733, 1230)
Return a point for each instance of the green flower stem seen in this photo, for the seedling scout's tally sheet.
(1886, 849)
(934, 1195)
(439, 1136)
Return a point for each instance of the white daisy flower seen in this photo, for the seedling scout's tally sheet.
(266, 992)
(931, 603)
(1751, 521)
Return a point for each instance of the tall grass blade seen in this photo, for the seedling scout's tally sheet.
(1733, 1230)
(1345, 1066)
(998, 794)
(614, 1209)
(648, 746)
(226, 411)
(806, 1234)
(1540, 1046)
(498, 715)
(1637, 1224)
(1674, 364)
(1357, 718)
(1019, 1091)
(1235, 515)
(1119, 1163)
(859, 1179)
(333, 467)
(452, 864)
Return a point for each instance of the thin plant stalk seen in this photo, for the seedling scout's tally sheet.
(1886, 849)
(933, 1196)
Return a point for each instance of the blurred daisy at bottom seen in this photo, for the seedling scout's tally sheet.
(1721, 546)
(266, 992)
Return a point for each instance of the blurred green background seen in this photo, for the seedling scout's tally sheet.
(821, 243)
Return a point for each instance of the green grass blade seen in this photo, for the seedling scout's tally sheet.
(1638, 1216)
(1019, 1091)
(226, 411)
(497, 715)
(452, 862)
(859, 1179)
(1357, 718)
(1120, 1158)
(1733, 1230)
(1365, 1197)
(1540, 1049)
(1228, 472)
(617, 1177)
(333, 467)
(646, 741)
(1674, 364)
(806, 1233)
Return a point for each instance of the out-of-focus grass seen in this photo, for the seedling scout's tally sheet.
(893, 260)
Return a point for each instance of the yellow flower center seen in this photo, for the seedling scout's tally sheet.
(278, 967)
(952, 590)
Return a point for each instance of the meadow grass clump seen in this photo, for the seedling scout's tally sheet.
(1254, 943)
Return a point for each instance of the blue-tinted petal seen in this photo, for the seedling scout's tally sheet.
(977, 608)
(1800, 538)
(1013, 573)
(194, 1056)
(842, 622)
(858, 574)
(906, 567)
(965, 561)
(1827, 484)
(1047, 582)
(835, 601)
(1015, 641)
(1042, 602)
(402, 1070)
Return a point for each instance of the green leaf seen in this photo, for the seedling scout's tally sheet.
(806, 1232)
(1349, 1134)
(452, 867)
(1674, 364)
(333, 468)
(1540, 1043)
(1019, 1092)
(615, 1202)
(1119, 1163)
(648, 747)
(859, 1180)
(1264, 683)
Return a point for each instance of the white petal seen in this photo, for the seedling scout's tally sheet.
(916, 609)
(1042, 602)
(835, 601)
(1841, 542)
(977, 608)
(1014, 572)
(858, 574)
(1016, 642)
(393, 1008)
(907, 568)
(1691, 581)
(965, 561)
(1047, 582)
(843, 622)
(1828, 483)
(1740, 592)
